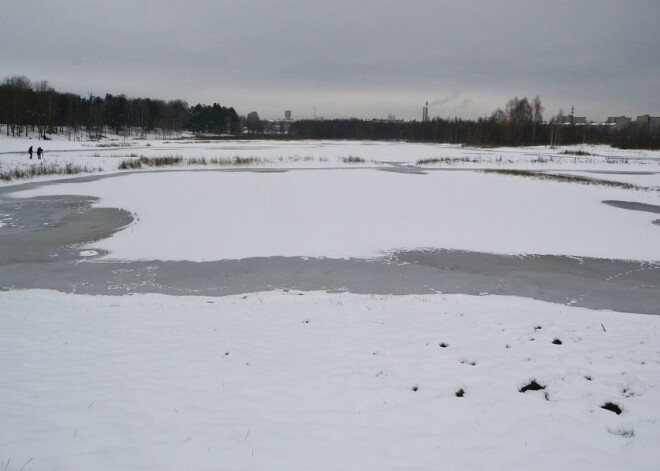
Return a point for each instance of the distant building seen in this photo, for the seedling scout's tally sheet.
(573, 119)
(649, 123)
(391, 118)
(279, 126)
(619, 122)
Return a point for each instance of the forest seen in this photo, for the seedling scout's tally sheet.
(27, 106)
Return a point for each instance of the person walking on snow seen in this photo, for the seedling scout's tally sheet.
(39, 152)
(30, 152)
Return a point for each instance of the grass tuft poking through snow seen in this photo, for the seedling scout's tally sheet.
(623, 432)
(612, 407)
(556, 341)
(566, 178)
(164, 161)
(460, 392)
(533, 385)
(352, 159)
(176, 160)
(34, 171)
(580, 153)
(445, 160)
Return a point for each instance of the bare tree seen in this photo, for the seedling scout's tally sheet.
(538, 116)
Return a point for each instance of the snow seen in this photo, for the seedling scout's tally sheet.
(323, 381)
(363, 213)
(313, 380)
(108, 153)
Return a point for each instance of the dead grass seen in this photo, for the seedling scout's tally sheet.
(39, 170)
(445, 160)
(566, 178)
(176, 160)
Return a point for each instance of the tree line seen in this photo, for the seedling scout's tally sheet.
(520, 123)
(36, 107)
(29, 107)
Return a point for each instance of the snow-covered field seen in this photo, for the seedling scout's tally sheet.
(315, 380)
(107, 154)
(324, 381)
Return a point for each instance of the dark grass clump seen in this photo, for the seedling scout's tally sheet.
(130, 164)
(612, 407)
(444, 344)
(460, 393)
(245, 161)
(533, 385)
(579, 153)
(34, 171)
(175, 160)
(445, 160)
(556, 342)
(237, 161)
(142, 161)
(415, 388)
(566, 178)
(165, 161)
(352, 159)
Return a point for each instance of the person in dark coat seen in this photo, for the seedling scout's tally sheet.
(39, 152)
(30, 151)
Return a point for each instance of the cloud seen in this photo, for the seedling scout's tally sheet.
(361, 58)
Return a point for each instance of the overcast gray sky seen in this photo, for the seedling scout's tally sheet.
(362, 58)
